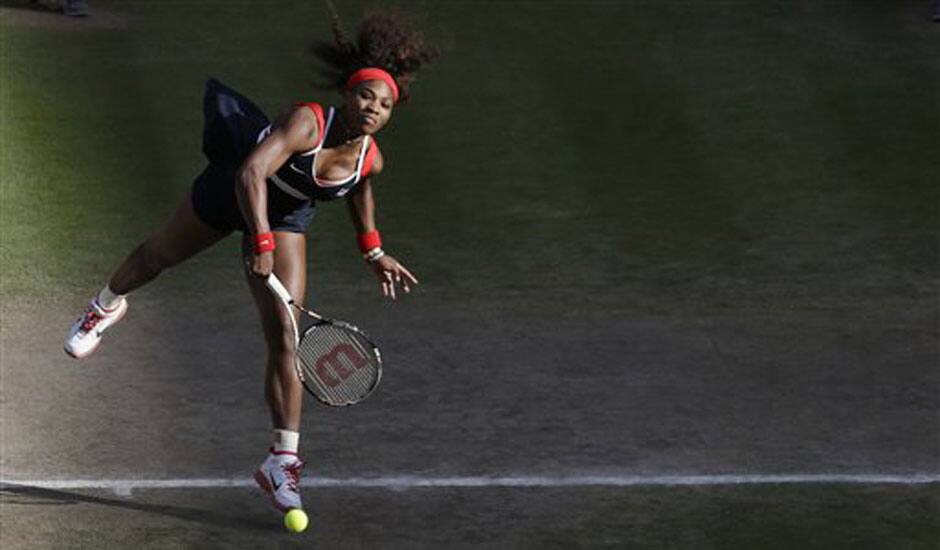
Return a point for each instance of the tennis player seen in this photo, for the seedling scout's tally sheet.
(265, 179)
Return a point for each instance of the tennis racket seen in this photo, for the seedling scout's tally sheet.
(336, 362)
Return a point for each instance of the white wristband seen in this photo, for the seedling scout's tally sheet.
(373, 255)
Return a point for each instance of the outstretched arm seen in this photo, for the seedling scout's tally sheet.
(294, 132)
(388, 270)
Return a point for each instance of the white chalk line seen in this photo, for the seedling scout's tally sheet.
(125, 486)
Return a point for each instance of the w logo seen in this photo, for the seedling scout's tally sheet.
(338, 364)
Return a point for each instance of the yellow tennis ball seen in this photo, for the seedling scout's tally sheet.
(296, 520)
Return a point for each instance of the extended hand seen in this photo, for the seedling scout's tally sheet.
(391, 273)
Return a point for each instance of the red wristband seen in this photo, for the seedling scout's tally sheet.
(264, 242)
(369, 240)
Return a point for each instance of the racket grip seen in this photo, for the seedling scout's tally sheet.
(278, 288)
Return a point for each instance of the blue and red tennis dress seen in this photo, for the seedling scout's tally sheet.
(233, 127)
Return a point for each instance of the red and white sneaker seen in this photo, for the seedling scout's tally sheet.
(85, 335)
(279, 476)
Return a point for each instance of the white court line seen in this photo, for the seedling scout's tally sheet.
(125, 486)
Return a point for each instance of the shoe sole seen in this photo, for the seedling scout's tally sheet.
(95, 347)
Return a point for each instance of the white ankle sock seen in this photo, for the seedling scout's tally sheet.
(108, 299)
(286, 440)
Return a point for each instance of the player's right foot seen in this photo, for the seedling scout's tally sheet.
(279, 476)
(85, 335)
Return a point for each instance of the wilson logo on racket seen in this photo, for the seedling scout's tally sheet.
(333, 370)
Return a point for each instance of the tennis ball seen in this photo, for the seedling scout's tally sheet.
(296, 520)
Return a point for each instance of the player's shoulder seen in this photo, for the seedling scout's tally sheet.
(378, 160)
(307, 119)
(373, 162)
(309, 112)
(312, 107)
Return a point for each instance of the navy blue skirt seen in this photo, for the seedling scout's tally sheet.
(232, 123)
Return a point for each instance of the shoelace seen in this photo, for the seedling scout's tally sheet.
(293, 474)
(91, 319)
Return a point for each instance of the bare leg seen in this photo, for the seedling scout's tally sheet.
(282, 387)
(181, 238)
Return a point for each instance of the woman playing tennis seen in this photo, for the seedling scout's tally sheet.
(264, 179)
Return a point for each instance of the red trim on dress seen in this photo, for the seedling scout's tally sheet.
(321, 122)
(370, 159)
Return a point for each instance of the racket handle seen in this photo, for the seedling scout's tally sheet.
(278, 288)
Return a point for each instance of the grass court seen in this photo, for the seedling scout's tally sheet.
(654, 238)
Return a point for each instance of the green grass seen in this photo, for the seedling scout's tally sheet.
(662, 157)
(767, 517)
(666, 158)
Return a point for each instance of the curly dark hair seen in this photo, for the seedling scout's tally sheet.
(385, 40)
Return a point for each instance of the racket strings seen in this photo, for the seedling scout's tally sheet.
(342, 365)
(356, 374)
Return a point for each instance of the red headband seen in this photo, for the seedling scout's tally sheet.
(373, 73)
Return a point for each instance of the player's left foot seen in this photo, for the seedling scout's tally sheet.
(85, 335)
(279, 476)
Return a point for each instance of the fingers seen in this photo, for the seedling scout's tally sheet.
(260, 265)
(260, 272)
(408, 274)
(392, 274)
(391, 284)
(403, 281)
(388, 290)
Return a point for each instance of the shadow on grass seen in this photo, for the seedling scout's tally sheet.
(32, 5)
(36, 496)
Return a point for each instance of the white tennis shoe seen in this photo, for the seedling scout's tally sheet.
(85, 335)
(279, 476)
